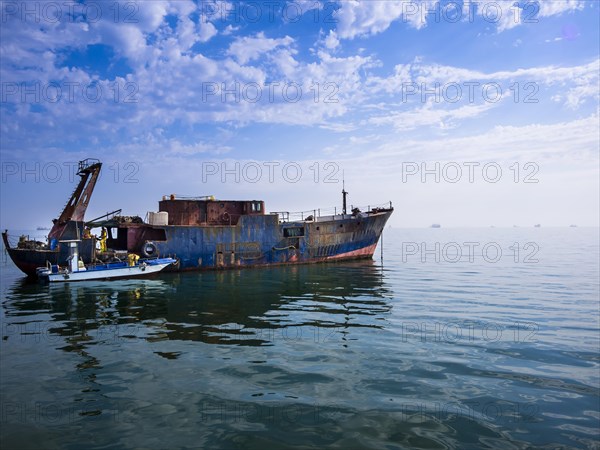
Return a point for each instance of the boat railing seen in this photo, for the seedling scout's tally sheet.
(329, 213)
(105, 218)
(117, 262)
(373, 208)
(188, 197)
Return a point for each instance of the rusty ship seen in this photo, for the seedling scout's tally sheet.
(201, 233)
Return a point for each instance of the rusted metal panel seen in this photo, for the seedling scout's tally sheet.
(186, 212)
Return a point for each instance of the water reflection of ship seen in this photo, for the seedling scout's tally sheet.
(233, 307)
(99, 294)
(259, 307)
(247, 307)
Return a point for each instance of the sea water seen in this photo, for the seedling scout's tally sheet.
(457, 338)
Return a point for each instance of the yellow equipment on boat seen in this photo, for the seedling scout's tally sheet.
(103, 237)
(132, 258)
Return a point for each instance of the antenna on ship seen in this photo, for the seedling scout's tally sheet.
(344, 194)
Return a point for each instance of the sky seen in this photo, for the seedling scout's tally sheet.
(462, 113)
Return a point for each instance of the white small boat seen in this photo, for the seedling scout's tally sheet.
(77, 271)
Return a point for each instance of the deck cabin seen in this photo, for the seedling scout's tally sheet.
(208, 211)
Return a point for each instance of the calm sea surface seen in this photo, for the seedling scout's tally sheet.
(444, 344)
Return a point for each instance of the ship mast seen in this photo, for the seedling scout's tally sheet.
(344, 195)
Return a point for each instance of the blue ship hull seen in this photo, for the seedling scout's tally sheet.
(262, 240)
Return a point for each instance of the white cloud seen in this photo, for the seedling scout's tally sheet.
(230, 29)
(247, 49)
(554, 7)
(149, 17)
(206, 32)
(575, 140)
(331, 41)
(427, 115)
(544, 74)
(286, 63)
(176, 147)
(579, 82)
(362, 18)
(127, 39)
(365, 18)
(577, 96)
(508, 14)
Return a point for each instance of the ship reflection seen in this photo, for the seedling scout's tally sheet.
(258, 307)
(248, 307)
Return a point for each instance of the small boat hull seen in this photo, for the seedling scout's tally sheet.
(106, 272)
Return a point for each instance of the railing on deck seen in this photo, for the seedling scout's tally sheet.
(332, 213)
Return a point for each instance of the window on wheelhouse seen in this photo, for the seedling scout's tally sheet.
(293, 232)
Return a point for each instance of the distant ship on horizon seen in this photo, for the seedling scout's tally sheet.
(436, 225)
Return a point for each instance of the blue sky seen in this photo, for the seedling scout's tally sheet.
(376, 90)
